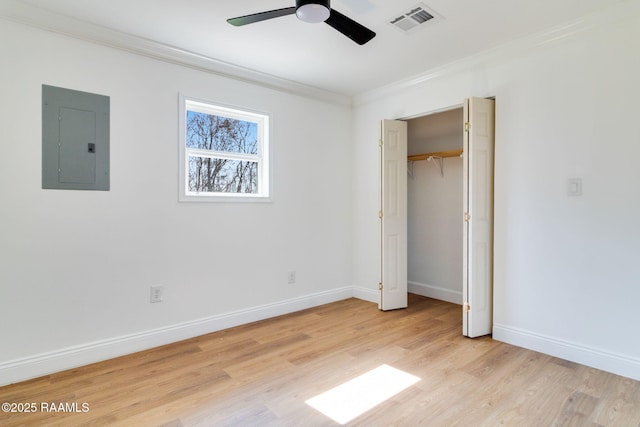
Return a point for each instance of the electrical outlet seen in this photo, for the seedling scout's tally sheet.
(156, 293)
(291, 277)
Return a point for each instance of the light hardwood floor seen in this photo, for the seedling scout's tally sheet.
(261, 374)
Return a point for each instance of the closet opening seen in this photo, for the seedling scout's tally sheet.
(436, 213)
(435, 205)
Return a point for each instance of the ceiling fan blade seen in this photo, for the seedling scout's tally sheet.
(350, 28)
(262, 16)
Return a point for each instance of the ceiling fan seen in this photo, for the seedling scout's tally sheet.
(313, 12)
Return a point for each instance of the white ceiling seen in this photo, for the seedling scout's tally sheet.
(316, 54)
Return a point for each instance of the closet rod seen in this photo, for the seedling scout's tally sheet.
(450, 153)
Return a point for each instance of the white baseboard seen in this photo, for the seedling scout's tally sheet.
(68, 358)
(436, 292)
(596, 358)
(366, 294)
(72, 357)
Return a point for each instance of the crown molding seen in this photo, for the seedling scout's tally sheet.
(623, 10)
(22, 13)
(25, 14)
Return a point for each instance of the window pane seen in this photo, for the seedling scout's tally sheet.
(214, 175)
(217, 133)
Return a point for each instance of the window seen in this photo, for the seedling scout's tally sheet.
(224, 153)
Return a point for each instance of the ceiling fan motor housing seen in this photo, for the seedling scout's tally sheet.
(313, 11)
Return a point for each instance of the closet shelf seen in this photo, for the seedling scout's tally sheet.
(450, 153)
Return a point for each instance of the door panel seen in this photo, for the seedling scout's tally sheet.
(393, 215)
(478, 227)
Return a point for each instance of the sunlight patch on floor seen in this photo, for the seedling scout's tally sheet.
(353, 398)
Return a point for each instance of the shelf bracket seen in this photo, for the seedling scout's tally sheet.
(440, 162)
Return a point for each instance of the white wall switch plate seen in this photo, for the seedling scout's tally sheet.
(574, 187)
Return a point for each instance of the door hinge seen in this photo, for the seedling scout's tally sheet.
(380, 142)
(466, 307)
(380, 286)
(467, 126)
(380, 214)
(467, 217)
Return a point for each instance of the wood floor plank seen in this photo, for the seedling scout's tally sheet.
(262, 374)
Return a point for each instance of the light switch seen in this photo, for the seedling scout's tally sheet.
(574, 187)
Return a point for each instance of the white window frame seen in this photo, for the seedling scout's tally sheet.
(262, 158)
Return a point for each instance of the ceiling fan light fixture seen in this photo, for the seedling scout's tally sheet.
(313, 12)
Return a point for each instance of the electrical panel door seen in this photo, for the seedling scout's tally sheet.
(75, 140)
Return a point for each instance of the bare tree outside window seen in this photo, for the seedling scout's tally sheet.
(218, 139)
(224, 153)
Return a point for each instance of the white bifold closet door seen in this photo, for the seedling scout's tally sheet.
(477, 290)
(393, 215)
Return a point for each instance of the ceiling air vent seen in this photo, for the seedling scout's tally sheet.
(413, 19)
